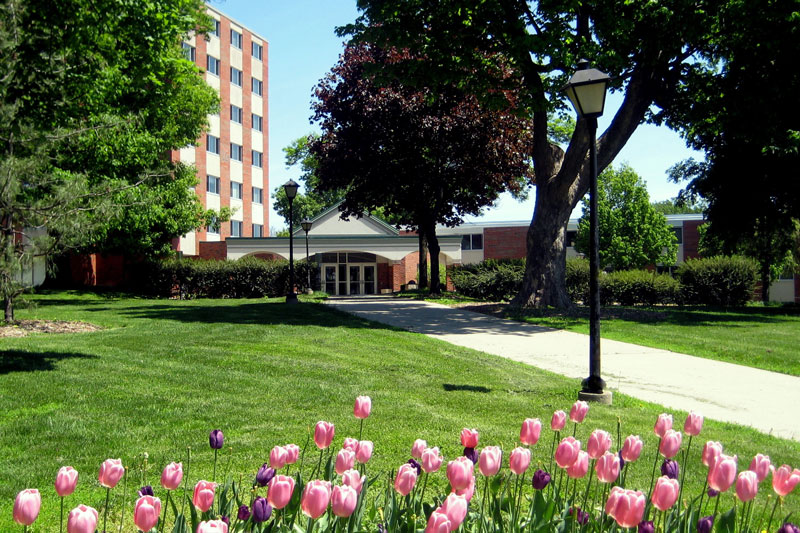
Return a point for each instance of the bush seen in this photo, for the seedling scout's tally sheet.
(718, 280)
(638, 287)
(248, 277)
(493, 279)
(577, 279)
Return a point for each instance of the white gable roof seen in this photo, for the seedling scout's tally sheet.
(329, 223)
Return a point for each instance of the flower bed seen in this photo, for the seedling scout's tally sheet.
(579, 490)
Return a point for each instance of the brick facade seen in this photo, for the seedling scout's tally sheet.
(213, 250)
(691, 238)
(502, 243)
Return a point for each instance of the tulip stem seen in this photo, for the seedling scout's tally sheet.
(424, 486)
(772, 514)
(716, 507)
(653, 474)
(683, 474)
(360, 430)
(61, 527)
(105, 512)
(164, 519)
(310, 525)
(588, 484)
(186, 477)
(702, 495)
(519, 496)
(124, 495)
(574, 428)
(214, 476)
(483, 504)
(552, 450)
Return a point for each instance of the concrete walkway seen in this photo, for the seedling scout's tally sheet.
(722, 391)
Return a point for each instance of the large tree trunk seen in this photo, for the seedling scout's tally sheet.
(423, 259)
(765, 281)
(433, 248)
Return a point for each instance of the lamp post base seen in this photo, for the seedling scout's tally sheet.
(597, 397)
(291, 298)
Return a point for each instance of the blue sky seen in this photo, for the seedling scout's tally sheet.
(303, 48)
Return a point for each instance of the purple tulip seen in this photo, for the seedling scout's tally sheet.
(216, 439)
(264, 475)
(147, 490)
(416, 465)
(713, 493)
(789, 528)
(261, 510)
(244, 513)
(226, 520)
(540, 479)
(646, 527)
(621, 461)
(471, 454)
(705, 524)
(582, 517)
(670, 468)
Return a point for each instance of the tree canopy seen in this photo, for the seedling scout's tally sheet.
(633, 235)
(423, 159)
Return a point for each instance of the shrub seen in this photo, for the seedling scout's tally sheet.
(577, 279)
(493, 279)
(638, 287)
(718, 280)
(248, 277)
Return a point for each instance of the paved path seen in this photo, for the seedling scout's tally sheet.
(722, 391)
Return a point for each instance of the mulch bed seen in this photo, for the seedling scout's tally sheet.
(22, 328)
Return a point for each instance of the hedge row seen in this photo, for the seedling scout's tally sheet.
(248, 277)
(719, 280)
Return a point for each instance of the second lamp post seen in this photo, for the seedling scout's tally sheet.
(290, 188)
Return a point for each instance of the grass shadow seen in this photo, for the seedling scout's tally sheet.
(449, 387)
(22, 361)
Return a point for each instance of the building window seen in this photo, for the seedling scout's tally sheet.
(236, 228)
(188, 51)
(236, 190)
(257, 86)
(258, 195)
(258, 230)
(212, 65)
(678, 234)
(257, 50)
(212, 184)
(236, 76)
(257, 122)
(571, 236)
(236, 39)
(212, 144)
(256, 158)
(215, 31)
(236, 114)
(472, 242)
(213, 226)
(236, 152)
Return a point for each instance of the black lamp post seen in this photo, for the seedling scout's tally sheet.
(587, 92)
(290, 187)
(306, 224)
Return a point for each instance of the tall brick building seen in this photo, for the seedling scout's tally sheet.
(232, 158)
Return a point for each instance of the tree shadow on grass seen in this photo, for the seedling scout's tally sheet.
(449, 387)
(22, 361)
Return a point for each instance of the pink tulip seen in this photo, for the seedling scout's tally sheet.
(111, 471)
(626, 506)
(362, 407)
(316, 496)
(599, 443)
(670, 443)
(203, 497)
(280, 491)
(26, 506)
(722, 473)
(469, 491)
(579, 468)
(694, 424)
(631, 448)
(558, 421)
(292, 453)
(459, 472)
(364, 451)
(519, 460)
(747, 485)
(469, 438)
(172, 475)
(66, 480)
(212, 526)
(607, 468)
(417, 448)
(345, 460)
(438, 523)
(663, 423)
(761, 466)
(431, 460)
(665, 493)
(277, 457)
(323, 434)
(711, 451)
(405, 480)
(490, 460)
(352, 478)
(455, 507)
(350, 444)
(82, 519)
(567, 451)
(146, 512)
(784, 479)
(531, 429)
(578, 411)
(343, 500)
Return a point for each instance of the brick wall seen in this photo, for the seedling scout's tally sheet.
(504, 243)
(691, 238)
(384, 276)
(98, 270)
(213, 250)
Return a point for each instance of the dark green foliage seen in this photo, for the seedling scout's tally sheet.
(248, 277)
(638, 287)
(718, 280)
(492, 279)
(577, 274)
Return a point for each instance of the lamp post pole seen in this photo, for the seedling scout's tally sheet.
(587, 92)
(306, 224)
(290, 187)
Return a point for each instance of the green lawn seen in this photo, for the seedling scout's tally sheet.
(163, 373)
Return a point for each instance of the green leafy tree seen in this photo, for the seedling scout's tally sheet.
(678, 206)
(92, 98)
(646, 47)
(633, 234)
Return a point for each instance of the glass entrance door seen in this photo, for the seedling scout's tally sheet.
(349, 279)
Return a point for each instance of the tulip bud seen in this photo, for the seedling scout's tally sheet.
(216, 439)
(261, 510)
(362, 407)
(540, 479)
(66, 480)
(26, 506)
(578, 411)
